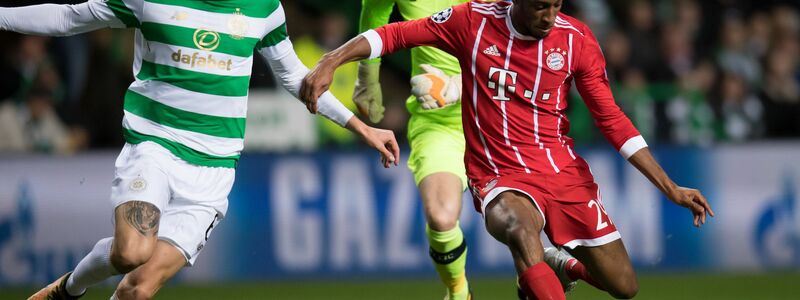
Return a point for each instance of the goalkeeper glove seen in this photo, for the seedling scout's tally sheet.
(367, 94)
(434, 89)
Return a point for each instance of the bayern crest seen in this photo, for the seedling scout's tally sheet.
(555, 58)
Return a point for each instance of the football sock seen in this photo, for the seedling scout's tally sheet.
(576, 270)
(540, 282)
(448, 250)
(92, 269)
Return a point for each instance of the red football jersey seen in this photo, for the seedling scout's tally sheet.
(515, 87)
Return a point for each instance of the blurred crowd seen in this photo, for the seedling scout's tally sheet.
(687, 72)
(700, 72)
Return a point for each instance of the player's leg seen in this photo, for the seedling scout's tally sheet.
(584, 227)
(441, 197)
(436, 161)
(199, 201)
(133, 243)
(145, 281)
(608, 267)
(514, 220)
(135, 237)
(139, 189)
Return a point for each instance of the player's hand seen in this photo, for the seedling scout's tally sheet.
(367, 94)
(384, 141)
(694, 201)
(316, 82)
(434, 89)
(379, 139)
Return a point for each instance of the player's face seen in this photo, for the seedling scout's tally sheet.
(536, 17)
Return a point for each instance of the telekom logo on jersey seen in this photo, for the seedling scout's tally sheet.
(501, 84)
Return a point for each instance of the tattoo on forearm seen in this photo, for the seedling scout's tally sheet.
(143, 216)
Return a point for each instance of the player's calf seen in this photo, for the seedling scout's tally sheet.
(610, 267)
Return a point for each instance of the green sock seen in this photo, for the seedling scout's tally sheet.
(449, 253)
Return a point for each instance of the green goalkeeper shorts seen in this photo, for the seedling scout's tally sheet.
(437, 145)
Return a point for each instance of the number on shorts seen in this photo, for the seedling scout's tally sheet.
(600, 223)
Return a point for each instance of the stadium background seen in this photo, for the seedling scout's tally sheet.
(714, 86)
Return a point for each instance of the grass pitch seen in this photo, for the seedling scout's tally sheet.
(652, 286)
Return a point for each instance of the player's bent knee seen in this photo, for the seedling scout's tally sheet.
(127, 260)
(442, 221)
(625, 288)
(627, 291)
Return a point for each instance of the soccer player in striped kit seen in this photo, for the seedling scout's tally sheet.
(518, 62)
(184, 125)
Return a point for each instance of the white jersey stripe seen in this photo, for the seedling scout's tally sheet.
(569, 54)
(491, 13)
(242, 26)
(519, 158)
(558, 97)
(475, 95)
(490, 9)
(195, 60)
(561, 20)
(568, 27)
(490, 6)
(207, 104)
(503, 106)
(552, 163)
(213, 145)
(560, 115)
(536, 95)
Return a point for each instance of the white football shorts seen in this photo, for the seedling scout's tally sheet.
(192, 199)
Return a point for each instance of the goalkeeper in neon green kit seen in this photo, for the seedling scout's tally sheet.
(434, 133)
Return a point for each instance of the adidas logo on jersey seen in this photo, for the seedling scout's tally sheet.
(492, 50)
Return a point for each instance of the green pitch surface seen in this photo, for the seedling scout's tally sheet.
(672, 286)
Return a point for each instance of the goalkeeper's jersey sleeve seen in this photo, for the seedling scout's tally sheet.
(412, 10)
(374, 14)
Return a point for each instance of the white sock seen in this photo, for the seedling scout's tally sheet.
(92, 269)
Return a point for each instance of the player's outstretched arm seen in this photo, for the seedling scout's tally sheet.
(686, 197)
(290, 72)
(58, 20)
(319, 79)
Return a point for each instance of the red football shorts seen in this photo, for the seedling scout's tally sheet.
(569, 202)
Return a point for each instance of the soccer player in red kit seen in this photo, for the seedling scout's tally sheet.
(518, 62)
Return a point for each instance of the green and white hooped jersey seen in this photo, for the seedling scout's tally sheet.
(192, 66)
